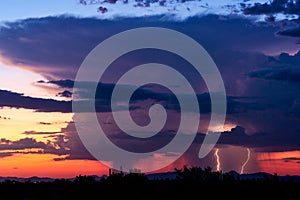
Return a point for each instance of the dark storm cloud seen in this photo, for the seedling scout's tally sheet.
(282, 74)
(285, 68)
(262, 142)
(293, 32)
(235, 104)
(265, 108)
(56, 46)
(287, 59)
(17, 100)
(276, 84)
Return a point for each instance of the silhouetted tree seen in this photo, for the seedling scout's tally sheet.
(84, 179)
(197, 174)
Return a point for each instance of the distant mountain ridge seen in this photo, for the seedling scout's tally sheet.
(158, 176)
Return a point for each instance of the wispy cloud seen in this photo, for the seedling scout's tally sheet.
(39, 133)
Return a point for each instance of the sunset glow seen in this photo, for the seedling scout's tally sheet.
(282, 163)
(29, 165)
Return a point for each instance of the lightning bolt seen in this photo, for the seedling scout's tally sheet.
(218, 159)
(248, 157)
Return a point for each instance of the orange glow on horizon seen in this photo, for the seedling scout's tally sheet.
(28, 165)
(279, 162)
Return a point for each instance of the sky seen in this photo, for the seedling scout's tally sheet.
(254, 44)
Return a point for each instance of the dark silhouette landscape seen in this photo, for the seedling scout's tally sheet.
(187, 183)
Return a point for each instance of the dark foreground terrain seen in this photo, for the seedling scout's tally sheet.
(190, 183)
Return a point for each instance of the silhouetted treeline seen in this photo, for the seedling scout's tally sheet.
(190, 183)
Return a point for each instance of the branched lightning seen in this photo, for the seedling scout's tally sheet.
(248, 158)
(218, 159)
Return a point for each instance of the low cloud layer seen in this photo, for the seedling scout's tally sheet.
(17, 100)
